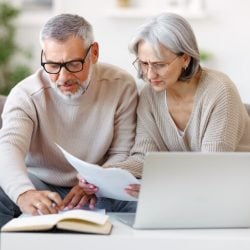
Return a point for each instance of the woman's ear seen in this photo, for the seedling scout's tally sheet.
(94, 52)
(186, 60)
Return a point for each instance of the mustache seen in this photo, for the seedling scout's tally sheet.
(68, 82)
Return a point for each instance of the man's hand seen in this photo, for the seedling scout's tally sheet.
(77, 198)
(88, 188)
(133, 190)
(39, 202)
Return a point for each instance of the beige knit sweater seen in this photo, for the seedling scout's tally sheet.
(218, 122)
(99, 128)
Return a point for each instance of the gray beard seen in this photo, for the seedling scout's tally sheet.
(83, 86)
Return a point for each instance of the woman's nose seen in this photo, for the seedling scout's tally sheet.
(151, 72)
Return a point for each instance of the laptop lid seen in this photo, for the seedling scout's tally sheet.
(194, 190)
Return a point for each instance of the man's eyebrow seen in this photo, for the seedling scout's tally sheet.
(51, 61)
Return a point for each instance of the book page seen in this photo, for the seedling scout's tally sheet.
(86, 215)
(34, 223)
(110, 181)
(86, 227)
(48, 221)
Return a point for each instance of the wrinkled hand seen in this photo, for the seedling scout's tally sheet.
(77, 198)
(87, 187)
(39, 202)
(133, 190)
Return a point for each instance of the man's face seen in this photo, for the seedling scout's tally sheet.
(68, 84)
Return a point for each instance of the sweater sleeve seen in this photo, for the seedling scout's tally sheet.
(144, 140)
(226, 121)
(124, 125)
(15, 137)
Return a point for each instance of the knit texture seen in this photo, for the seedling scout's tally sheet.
(218, 122)
(98, 127)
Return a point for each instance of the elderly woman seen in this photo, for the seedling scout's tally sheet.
(184, 107)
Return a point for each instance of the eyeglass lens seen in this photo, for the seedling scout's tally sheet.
(73, 66)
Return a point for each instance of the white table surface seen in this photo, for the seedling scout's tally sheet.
(124, 237)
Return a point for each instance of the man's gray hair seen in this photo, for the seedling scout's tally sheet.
(173, 32)
(64, 26)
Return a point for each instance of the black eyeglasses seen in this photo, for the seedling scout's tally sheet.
(73, 66)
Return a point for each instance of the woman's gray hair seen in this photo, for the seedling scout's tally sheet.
(173, 32)
(63, 26)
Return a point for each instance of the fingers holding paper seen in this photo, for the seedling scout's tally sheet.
(133, 190)
(39, 202)
(87, 187)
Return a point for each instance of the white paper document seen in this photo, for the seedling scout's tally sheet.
(110, 181)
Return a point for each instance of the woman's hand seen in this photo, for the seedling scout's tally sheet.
(88, 188)
(133, 190)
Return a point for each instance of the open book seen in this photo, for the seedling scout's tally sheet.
(74, 220)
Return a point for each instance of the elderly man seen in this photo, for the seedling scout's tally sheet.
(86, 107)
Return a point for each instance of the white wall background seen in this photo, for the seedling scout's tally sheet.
(224, 32)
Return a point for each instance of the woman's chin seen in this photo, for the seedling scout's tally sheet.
(158, 88)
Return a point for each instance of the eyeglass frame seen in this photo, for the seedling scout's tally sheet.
(141, 73)
(65, 63)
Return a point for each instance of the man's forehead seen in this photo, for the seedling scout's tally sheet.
(70, 43)
(72, 46)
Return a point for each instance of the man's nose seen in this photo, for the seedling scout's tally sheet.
(64, 73)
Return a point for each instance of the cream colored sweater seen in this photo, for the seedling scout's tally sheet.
(99, 128)
(218, 122)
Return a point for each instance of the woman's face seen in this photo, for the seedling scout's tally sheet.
(160, 73)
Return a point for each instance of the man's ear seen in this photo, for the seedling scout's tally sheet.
(95, 52)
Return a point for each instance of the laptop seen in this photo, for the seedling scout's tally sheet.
(193, 190)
